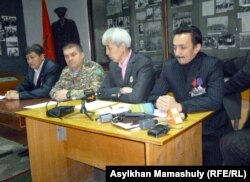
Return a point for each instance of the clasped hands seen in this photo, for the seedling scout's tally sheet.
(167, 102)
(126, 90)
(60, 95)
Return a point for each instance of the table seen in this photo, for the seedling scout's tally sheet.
(8, 109)
(68, 149)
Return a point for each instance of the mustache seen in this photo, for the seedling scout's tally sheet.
(178, 57)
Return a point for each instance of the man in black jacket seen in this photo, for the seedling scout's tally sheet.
(41, 77)
(131, 75)
(235, 146)
(196, 80)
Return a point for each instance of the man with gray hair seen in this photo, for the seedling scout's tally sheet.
(131, 76)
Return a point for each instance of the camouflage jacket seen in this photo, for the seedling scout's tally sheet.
(91, 75)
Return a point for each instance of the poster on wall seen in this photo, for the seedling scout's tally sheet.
(244, 5)
(114, 7)
(217, 25)
(9, 34)
(224, 5)
(182, 19)
(245, 40)
(177, 3)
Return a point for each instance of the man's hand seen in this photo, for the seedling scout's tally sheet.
(126, 90)
(166, 102)
(60, 95)
(12, 95)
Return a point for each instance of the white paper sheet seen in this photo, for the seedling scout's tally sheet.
(35, 106)
(92, 106)
(2, 97)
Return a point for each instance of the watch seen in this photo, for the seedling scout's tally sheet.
(68, 94)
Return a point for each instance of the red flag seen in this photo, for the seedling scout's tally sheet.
(48, 40)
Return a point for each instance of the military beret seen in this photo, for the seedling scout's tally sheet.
(60, 10)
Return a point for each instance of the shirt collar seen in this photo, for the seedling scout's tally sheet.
(40, 67)
(125, 63)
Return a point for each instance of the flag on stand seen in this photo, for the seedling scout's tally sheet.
(48, 40)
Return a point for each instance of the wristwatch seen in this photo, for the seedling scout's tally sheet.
(68, 94)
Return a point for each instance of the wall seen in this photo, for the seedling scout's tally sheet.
(77, 11)
(200, 18)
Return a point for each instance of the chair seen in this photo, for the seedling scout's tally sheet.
(232, 105)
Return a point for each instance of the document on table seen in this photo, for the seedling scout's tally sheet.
(2, 97)
(92, 106)
(35, 106)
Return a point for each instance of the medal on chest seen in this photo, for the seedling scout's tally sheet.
(197, 88)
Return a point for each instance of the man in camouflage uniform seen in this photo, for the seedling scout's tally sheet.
(78, 75)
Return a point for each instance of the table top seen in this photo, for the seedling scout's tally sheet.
(81, 122)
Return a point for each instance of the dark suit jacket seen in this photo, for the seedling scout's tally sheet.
(48, 77)
(172, 79)
(139, 75)
(240, 79)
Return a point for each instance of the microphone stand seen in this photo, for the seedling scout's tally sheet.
(82, 110)
(85, 111)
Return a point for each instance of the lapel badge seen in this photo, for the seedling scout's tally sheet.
(197, 87)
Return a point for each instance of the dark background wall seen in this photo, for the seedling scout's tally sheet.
(13, 63)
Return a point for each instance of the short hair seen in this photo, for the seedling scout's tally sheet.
(38, 49)
(71, 45)
(117, 36)
(193, 30)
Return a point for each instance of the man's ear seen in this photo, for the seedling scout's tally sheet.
(197, 48)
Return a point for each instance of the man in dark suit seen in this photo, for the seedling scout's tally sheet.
(235, 146)
(131, 76)
(41, 77)
(196, 80)
(64, 32)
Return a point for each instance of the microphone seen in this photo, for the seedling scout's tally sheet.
(88, 94)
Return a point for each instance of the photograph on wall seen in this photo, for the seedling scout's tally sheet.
(210, 42)
(12, 51)
(157, 13)
(126, 21)
(154, 44)
(222, 6)
(226, 41)
(125, 4)
(11, 36)
(245, 40)
(140, 16)
(141, 4)
(181, 19)
(113, 7)
(244, 5)
(110, 23)
(2, 35)
(152, 28)
(120, 21)
(177, 3)
(149, 13)
(244, 17)
(142, 45)
(153, 2)
(208, 8)
(217, 25)
(140, 28)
